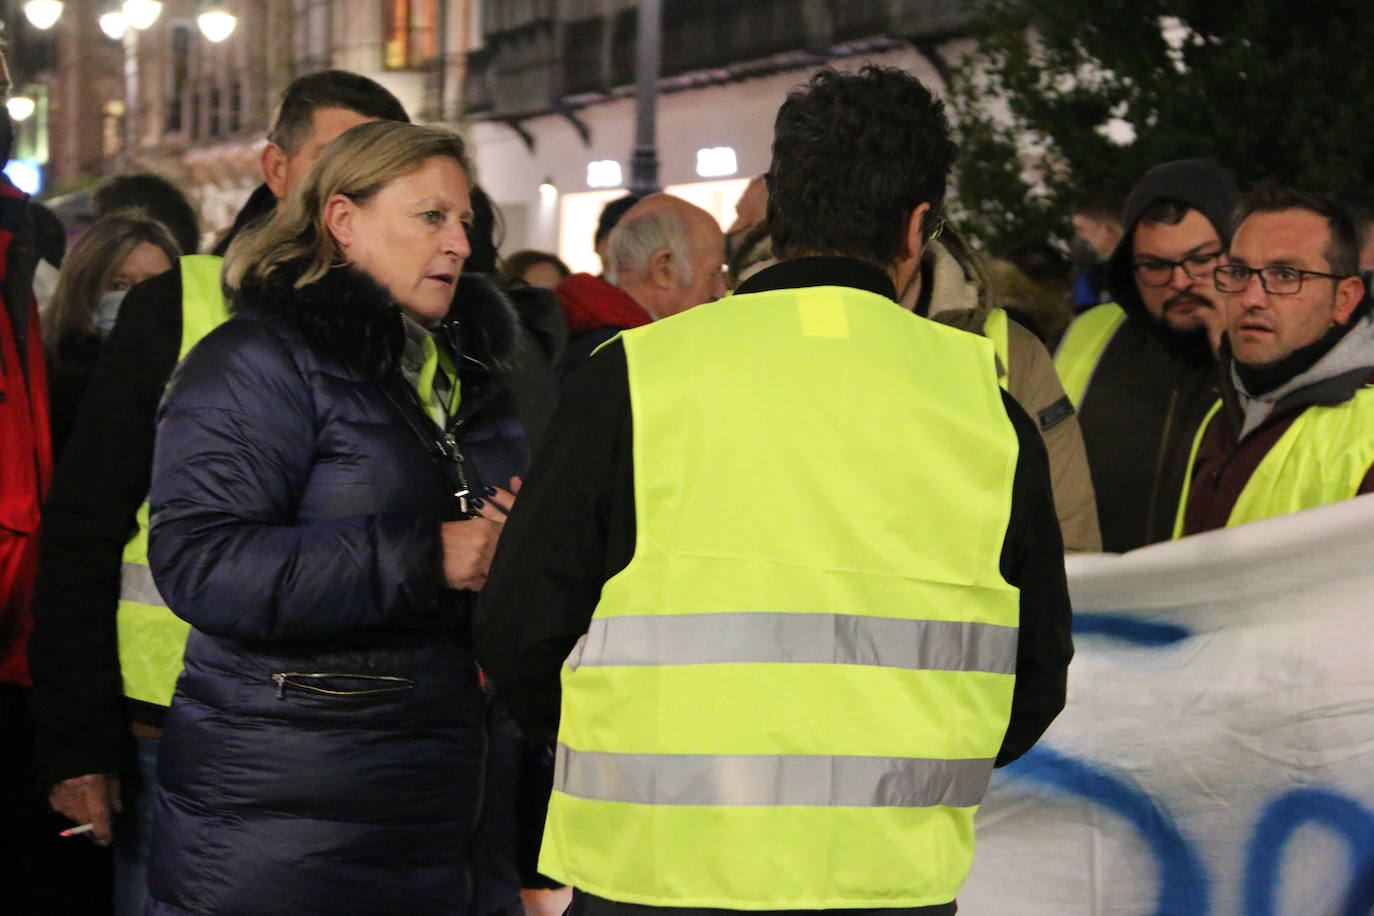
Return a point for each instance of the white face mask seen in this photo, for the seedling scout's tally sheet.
(106, 311)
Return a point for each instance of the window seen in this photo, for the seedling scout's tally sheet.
(313, 34)
(411, 34)
(183, 41)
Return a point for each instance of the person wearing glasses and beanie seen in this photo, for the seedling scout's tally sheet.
(1141, 370)
(1295, 426)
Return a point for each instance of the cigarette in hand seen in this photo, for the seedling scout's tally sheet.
(77, 831)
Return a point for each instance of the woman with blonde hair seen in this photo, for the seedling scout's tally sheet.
(333, 468)
(116, 252)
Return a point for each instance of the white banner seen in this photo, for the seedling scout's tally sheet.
(1217, 752)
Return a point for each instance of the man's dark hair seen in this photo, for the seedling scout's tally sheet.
(1358, 204)
(1163, 212)
(329, 89)
(1342, 252)
(1101, 202)
(853, 155)
(484, 236)
(611, 214)
(156, 197)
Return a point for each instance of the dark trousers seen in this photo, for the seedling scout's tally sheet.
(588, 905)
(40, 873)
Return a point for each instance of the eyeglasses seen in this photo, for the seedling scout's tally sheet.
(1276, 279)
(1159, 272)
(937, 231)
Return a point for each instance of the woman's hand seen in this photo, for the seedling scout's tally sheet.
(468, 545)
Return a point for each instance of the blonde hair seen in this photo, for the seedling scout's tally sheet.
(357, 164)
(92, 263)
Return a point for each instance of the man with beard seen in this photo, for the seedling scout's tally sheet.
(1295, 428)
(1141, 371)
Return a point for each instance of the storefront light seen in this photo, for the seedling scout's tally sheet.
(216, 24)
(716, 162)
(43, 14)
(141, 14)
(604, 173)
(547, 190)
(114, 24)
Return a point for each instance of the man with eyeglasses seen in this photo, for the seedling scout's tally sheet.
(1295, 427)
(1141, 370)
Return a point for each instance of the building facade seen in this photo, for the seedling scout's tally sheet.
(550, 96)
(543, 90)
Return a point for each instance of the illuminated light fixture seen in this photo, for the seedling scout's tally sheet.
(604, 173)
(547, 189)
(217, 24)
(114, 25)
(716, 162)
(43, 14)
(20, 107)
(141, 14)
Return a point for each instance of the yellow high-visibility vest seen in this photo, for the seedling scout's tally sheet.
(995, 329)
(792, 696)
(1321, 458)
(152, 639)
(1083, 346)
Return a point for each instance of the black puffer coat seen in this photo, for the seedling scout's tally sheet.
(329, 749)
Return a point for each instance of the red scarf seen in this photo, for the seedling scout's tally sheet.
(590, 303)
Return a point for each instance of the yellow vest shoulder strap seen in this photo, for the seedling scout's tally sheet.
(1082, 347)
(203, 306)
(995, 329)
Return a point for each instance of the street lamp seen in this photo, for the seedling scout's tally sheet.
(141, 14)
(217, 24)
(114, 24)
(20, 107)
(43, 13)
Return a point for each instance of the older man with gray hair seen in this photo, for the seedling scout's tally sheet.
(662, 258)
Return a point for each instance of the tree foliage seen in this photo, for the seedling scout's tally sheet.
(1272, 89)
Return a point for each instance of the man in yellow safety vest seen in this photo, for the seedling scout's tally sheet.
(786, 581)
(1295, 426)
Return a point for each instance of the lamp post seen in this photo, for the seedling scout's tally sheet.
(141, 14)
(648, 47)
(43, 14)
(216, 23)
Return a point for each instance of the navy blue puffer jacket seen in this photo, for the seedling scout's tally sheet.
(329, 749)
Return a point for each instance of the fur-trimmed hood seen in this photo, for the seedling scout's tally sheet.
(351, 316)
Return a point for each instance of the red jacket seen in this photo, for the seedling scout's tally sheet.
(590, 303)
(25, 446)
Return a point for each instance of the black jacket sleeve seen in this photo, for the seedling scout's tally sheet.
(1033, 561)
(573, 528)
(89, 515)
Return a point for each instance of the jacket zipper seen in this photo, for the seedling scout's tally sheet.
(455, 455)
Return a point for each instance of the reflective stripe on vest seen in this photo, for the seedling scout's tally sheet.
(1321, 458)
(760, 781)
(995, 329)
(151, 638)
(1083, 346)
(792, 696)
(797, 638)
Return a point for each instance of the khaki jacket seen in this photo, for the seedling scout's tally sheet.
(958, 298)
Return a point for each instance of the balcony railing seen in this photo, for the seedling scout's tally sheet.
(534, 59)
